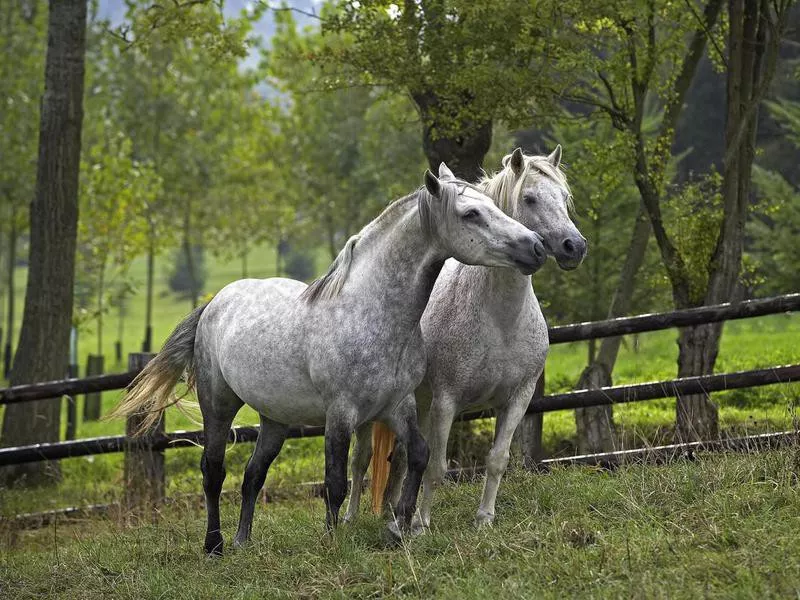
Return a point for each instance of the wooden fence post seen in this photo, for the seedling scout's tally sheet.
(144, 467)
(92, 402)
(72, 407)
(529, 432)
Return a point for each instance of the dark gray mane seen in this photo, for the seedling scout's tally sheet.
(433, 213)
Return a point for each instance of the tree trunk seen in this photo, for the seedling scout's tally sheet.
(12, 264)
(43, 351)
(148, 318)
(187, 249)
(696, 415)
(2, 299)
(595, 424)
(751, 66)
(100, 308)
(121, 310)
(462, 152)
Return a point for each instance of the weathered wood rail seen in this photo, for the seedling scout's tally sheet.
(144, 456)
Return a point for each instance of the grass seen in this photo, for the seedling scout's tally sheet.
(724, 526)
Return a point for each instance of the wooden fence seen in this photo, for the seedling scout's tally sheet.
(144, 457)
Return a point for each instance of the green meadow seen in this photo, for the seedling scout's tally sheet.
(718, 527)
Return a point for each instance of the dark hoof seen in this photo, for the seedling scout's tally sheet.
(213, 545)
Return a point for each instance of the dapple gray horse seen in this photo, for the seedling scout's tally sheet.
(345, 351)
(485, 336)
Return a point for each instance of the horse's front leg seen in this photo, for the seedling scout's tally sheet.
(358, 468)
(440, 422)
(404, 424)
(508, 418)
(339, 425)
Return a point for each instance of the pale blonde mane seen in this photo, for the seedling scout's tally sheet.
(505, 188)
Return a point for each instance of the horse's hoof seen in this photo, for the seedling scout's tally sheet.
(483, 519)
(213, 546)
(349, 519)
(417, 528)
(418, 525)
(239, 544)
(394, 532)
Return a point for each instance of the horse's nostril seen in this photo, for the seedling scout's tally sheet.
(569, 246)
(538, 250)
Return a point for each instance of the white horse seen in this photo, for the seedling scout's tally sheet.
(485, 337)
(345, 351)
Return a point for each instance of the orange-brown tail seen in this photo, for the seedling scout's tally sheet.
(382, 445)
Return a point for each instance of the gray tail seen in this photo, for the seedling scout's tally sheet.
(152, 391)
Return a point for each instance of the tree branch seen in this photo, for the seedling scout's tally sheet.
(770, 63)
(312, 13)
(690, 62)
(707, 31)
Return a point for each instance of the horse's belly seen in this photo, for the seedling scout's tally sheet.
(299, 409)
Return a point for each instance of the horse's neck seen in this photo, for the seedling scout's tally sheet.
(397, 266)
(503, 292)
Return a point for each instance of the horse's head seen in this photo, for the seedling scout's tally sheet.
(468, 226)
(540, 200)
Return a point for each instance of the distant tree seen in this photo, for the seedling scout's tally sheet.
(172, 66)
(23, 28)
(349, 151)
(186, 281)
(115, 189)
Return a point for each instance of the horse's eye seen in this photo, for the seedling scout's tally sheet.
(472, 214)
(530, 198)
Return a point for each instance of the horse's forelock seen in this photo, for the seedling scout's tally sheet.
(444, 214)
(505, 187)
(548, 169)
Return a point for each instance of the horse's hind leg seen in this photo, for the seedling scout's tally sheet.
(397, 474)
(270, 440)
(399, 458)
(358, 468)
(219, 407)
(404, 423)
(497, 459)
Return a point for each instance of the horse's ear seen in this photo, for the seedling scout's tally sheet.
(555, 156)
(445, 172)
(432, 184)
(517, 161)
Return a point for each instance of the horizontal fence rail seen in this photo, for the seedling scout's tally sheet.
(67, 387)
(117, 443)
(677, 318)
(567, 400)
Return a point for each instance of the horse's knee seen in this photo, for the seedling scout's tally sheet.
(213, 469)
(497, 461)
